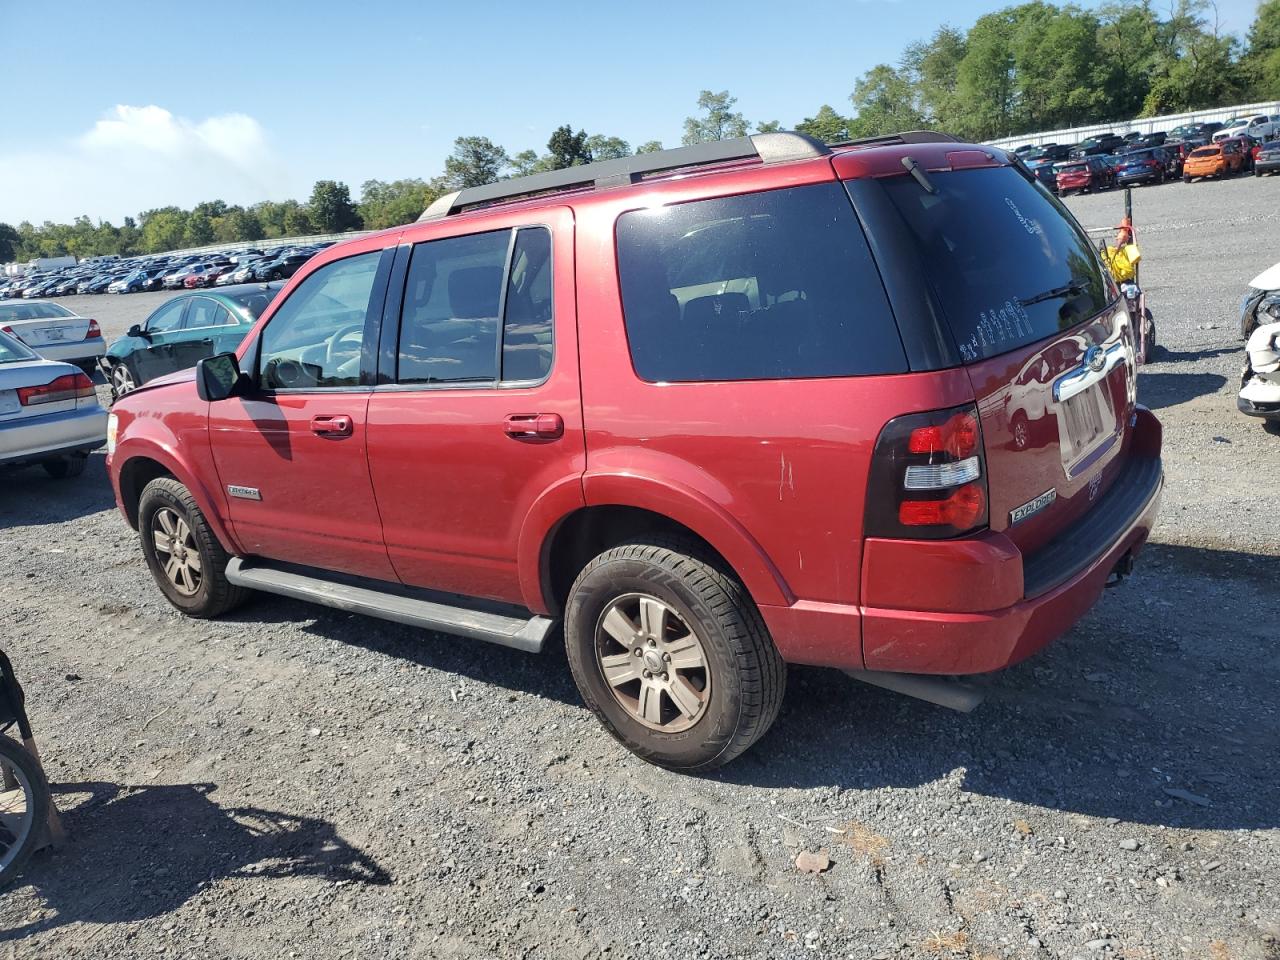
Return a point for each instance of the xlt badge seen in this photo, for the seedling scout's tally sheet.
(1018, 514)
(243, 493)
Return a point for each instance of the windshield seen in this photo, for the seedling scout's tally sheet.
(1007, 263)
(32, 311)
(11, 351)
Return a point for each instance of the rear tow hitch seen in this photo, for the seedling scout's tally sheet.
(1122, 569)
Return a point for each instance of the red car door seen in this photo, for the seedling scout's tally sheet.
(291, 456)
(477, 430)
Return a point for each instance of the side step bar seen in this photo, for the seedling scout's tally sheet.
(944, 692)
(522, 634)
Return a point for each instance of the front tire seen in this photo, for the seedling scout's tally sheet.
(186, 559)
(671, 654)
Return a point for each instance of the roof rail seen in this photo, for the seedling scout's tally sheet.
(767, 147)
(910, 136)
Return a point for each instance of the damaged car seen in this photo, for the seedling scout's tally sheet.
(1260, 327)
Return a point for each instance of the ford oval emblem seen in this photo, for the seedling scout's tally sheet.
(1095, 359)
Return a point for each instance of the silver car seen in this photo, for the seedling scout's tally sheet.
(49, 412)
(53, 331)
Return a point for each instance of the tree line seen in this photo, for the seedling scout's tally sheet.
(1034, 66)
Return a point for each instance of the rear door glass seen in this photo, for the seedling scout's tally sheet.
(770, 285)
(1007, 263)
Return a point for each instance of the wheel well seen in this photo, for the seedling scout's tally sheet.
(134, 476)
(589, 532)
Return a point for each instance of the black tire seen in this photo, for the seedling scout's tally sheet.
(745, 675)
(1257, 172)
(212, 593)
(14, 757)
(1185, 178)
(67, 466)
(1272, 427)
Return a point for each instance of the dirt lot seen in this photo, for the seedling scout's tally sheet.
(293, 781)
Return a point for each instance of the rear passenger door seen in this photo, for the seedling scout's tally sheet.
(161, 329)
(204, 333)
(476, 423)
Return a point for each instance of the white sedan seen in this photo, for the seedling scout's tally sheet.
(49, 412)
(53, 331)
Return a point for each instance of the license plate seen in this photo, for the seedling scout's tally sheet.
(53, 333)
(1086, 422)
(9, 401)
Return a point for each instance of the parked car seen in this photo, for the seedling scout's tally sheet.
(1200, 131)
(1142, 166)
(53, 331)
(1259, 126)
(49, 412)
(183, 330)
(596, 407)
(282, 267)
(1221, 159)
(1051, 151)
(1045, 171)
(1267, 159)
(1086, 175)
(206, 276)
(1094, 146)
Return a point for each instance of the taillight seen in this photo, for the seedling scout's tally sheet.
(9, 331)
(928, 476)
(94, 330)
(73, 386)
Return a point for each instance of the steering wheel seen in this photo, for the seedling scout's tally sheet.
(343, 333)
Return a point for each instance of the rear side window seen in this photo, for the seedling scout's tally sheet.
(1006, 262)
(772, 285)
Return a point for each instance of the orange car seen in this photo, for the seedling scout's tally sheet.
(1220, 159)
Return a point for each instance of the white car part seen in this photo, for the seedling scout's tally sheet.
(1268, 279)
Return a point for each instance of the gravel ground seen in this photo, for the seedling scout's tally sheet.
(293, 781)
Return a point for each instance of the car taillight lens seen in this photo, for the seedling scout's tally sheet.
(94, 330)
(71, 387)
(928, 476)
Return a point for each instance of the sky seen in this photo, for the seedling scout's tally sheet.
(114, 109)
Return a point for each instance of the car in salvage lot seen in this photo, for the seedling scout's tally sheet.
(53, 331)
(49, 412)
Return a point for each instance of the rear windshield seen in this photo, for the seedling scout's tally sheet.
(1007, 263)
(11, 351)
(770, 285)
(1072, 167)
(32, 311)
(1206, 152)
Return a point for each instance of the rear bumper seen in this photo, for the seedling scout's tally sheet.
(73, 351)
(39, 438)
(991, 605)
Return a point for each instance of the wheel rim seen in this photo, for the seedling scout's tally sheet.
(176, 550)
(653, 663)
(121, 379)
(16, 814)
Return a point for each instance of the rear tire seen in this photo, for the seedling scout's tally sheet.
(22, 833)
(66, 467)
(657, 605)
(1185, 178)
(121, 380)
(186, 559)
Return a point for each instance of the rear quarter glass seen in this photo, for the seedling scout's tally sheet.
(1006, 263)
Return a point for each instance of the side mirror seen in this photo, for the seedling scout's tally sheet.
(219, 377)
(137, 331)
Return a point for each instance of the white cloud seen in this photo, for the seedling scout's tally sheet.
(136, 158)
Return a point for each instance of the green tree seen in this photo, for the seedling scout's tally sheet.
(198, 231)
(527, 162)
(649, 146)
(885, 103)
(385, 205)
(718, 122)
(601, 147)
(163, 229)
(10, 243)
(769, 126)
(828, 126)
(331, 209)
(297, 222)
(984, 98)
(474, 162)
(568, 149)
(933, 67)
(1262, 52)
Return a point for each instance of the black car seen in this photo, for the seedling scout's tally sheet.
(282, 267)
(1050, 151)
(1201, 132)
(1097, 146)
(1268, 159)
(1156, 139)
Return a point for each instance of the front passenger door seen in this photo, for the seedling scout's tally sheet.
(156, 358)
(291, 455)
(203, 332)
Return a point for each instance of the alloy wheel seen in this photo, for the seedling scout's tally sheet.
(121, 380)
(176, 550)
(653, 662)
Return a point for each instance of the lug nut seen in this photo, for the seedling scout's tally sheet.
(666, 657)
(653, 643)
(664, 676)
(637, 651)
(648, 675)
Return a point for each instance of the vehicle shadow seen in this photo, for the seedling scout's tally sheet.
(1138, 699)
(1159, 390)
(30, 496)
(1165, 355)
(189, 840)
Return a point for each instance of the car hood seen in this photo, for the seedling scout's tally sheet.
(178, 376)
(1268, 279)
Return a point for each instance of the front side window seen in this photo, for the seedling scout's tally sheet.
(167, 317)
(772, 285)
(316, 337)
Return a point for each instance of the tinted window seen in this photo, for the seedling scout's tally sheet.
(1007, 263)
(253, 302)
(763, 286)
(204, 312)
(167, 317)
(449, 325)
(316, 337)
(526, 322)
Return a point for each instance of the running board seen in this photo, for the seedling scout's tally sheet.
(944, 692)
(522, 634)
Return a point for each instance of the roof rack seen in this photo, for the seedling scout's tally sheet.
(910, 136)
(767, 147)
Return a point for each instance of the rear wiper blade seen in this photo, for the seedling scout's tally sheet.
(1077, 285)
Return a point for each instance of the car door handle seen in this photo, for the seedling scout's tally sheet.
(339, 426)
(537, 426)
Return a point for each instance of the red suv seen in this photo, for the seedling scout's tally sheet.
(714, 410)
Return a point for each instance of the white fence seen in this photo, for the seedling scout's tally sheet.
(1142, 125)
